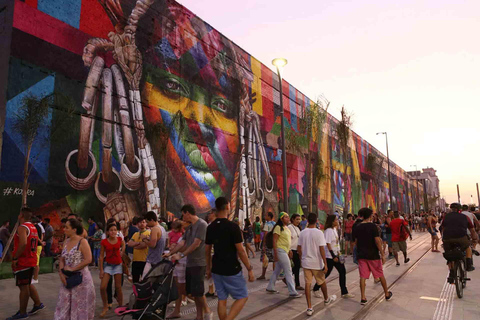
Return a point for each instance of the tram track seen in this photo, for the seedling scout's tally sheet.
(318, 307)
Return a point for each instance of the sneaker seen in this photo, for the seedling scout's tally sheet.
(390, 296)
(398, 264)
(406, 260)
(348, 295)
(309, 312)
(18, 315)
(330, 299)
(34, 281)
(317, 294)
(299, 288)
(272, 291)
(363, 302)
(36, 309)
(209, 295)
(470, 268)
(261, 278)
(297, 295)
(282, 274)
(209, 316)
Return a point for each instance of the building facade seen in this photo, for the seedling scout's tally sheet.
(168, 111)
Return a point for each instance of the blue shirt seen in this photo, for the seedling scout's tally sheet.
(91, 229)
(303, 224)
(131, 232)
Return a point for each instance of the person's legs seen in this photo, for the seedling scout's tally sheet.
(324, 291)
(330, 264)
(362, 288)
(23, 297)
(396, 248)
(103, 292)
(48, 246)
(273, 278)
(235, 309)
(284, 260)
(296, 267)
(109, 290)
(342, 276)
(308, 282)
(33, 293)
(436, 240)
(118, 288)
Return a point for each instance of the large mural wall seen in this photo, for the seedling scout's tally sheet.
(168, 112)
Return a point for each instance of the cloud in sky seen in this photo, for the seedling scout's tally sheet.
(410, 68)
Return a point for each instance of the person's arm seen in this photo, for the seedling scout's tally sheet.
(179, 247)
(244, 258)
(275, 239)
(100, 262)
(154, 236)
(87, 255)
(22, 243)
(122, 249)
(379, 244)
(407, 228)
(299, 251)
(208, 258)
(322, 253)
(196, 243)
(133, 244)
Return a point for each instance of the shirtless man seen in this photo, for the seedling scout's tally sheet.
(432, 229)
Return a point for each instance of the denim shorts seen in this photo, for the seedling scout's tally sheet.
(235, 286)
(112, 269)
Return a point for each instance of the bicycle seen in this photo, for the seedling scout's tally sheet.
(457, 256)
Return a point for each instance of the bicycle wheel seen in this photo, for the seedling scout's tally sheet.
(458, 278)
(464, 274)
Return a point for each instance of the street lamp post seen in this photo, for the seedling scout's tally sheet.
(388, 168)
(418, 193)
(279, 63)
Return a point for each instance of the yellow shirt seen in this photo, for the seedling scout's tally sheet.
(284, 238)
(140, 254)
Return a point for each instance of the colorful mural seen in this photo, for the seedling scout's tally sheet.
(169, 112)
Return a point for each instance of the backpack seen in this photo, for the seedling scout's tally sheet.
(269, 240)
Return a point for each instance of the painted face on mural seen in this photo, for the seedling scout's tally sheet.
(199, 108)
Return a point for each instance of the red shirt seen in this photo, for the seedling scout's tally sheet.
(174, 237)
(112, 251)
(349, 226)
(28, 259)
(395, 226)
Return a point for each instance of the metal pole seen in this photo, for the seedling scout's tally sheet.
(389, 178)
(478, 196)
(284, 152)
(458, 194)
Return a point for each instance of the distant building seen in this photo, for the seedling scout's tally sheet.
(431, 188)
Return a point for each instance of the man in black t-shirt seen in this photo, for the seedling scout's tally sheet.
(226, 238)
(370, 254)
(455, 225)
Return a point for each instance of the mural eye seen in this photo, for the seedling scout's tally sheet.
(173, 88)
(220, 104)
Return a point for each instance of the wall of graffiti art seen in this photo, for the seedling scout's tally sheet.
(167, 111)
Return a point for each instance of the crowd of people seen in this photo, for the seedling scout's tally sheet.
(212, 251)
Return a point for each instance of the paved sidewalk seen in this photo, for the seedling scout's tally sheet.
(258, 302)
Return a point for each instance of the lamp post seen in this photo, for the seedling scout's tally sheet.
(418, 194)
(279, 63)
(388, 168)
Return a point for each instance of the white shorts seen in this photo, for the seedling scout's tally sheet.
(179, 270)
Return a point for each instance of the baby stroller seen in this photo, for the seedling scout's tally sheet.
(152, 294)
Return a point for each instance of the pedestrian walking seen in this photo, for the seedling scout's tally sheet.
(155, 241)
(248, 236)
(48, 238)
(111, 265)
(96, 239)
(76, 297)
(257, 231)
(400, 232)
(266, 256)
(40, 232)
(175, 237)
(311, 248)
(282, 239)
(295, 232)
(369, 253)
(335, 259)
(193, 247)
(226, 239)
(140, 249)
(24, 259)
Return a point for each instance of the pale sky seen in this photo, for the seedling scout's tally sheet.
(411, 68)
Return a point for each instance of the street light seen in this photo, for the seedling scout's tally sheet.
(280, 63)
(388, 167)
(418, 194)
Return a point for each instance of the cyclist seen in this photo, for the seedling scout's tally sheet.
(455, 226)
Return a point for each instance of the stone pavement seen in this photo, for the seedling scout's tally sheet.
(415, 297)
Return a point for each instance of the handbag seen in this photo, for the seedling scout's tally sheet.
(74, 278)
